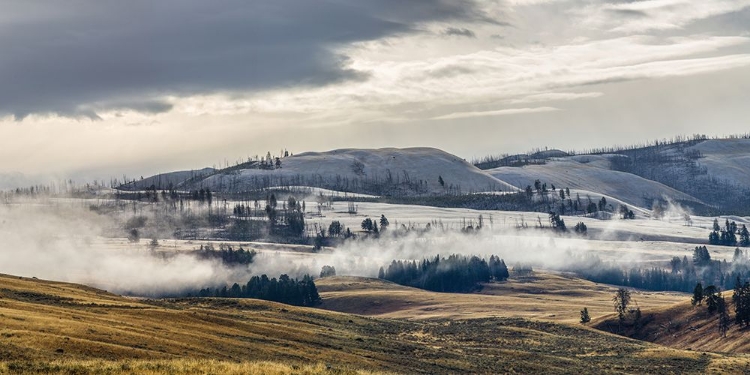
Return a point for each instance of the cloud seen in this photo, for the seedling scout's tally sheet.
(80, 57)
(455, 31)
(418, 88)
(556, 96)
(500, 112)
(653, 15)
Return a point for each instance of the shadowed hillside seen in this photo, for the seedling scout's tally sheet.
(682, 326)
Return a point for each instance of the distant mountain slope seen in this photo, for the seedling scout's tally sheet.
(715, 171)
(386, 171)
(165, 180)
(726, 159)
(592, 173)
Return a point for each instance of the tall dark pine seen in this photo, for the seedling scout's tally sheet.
(697, 295)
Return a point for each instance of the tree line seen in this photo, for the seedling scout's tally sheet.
(715, 303)
(227, 254)
(730, 235)
(456, 273)
(284, 290)
(682, 274)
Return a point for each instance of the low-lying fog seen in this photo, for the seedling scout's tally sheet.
(64, 243)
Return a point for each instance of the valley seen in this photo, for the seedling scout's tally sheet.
(188, 277)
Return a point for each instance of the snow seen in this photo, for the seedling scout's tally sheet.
(411, 164)
(589, 173)
(726, 159)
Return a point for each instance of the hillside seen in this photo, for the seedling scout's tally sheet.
(682, 326)
(711, 176)
(714, 171)
(387, 171)
(726, 159)
(591, 173)
(547, 296)
(163, 181)
(57, 327)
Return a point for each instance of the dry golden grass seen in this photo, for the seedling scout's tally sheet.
(544, 295)
(682, 326)
(174, 366)
(49, 327)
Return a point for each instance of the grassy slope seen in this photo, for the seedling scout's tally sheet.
(683, 326)
(548, 296)
(97, 332)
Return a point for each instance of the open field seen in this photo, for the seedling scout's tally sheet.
(543, 296)
(50, 326)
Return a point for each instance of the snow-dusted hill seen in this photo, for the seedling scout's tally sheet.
(592, 173)
(374, 171)
(165, 180)
(726, 159)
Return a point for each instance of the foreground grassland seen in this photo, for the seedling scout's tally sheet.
(50, 327)
(174, 366)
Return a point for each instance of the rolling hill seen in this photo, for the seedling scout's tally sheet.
(548, 296)
(387, 171)
(58, 327)
(163, 181)
(682, 326)
(726, 159)
(591, 173)
(710, 176)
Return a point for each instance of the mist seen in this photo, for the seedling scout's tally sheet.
(71, 243)
(64, 244)
(540, 248)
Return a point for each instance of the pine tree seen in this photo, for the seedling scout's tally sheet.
(712, 295)
(585, 318)
(741, 301)
(621, 300)
(697, 295)
(724, 321)
(744, 236)
(383, 222)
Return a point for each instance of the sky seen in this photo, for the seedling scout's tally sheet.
(99, 88)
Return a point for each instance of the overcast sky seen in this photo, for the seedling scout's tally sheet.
(110, 87)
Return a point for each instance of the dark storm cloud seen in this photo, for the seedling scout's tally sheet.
(455, 31)
(78, 57)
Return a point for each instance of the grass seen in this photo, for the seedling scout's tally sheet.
(544, 295)
(176, 366)
(682, 326)
(49, 327)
